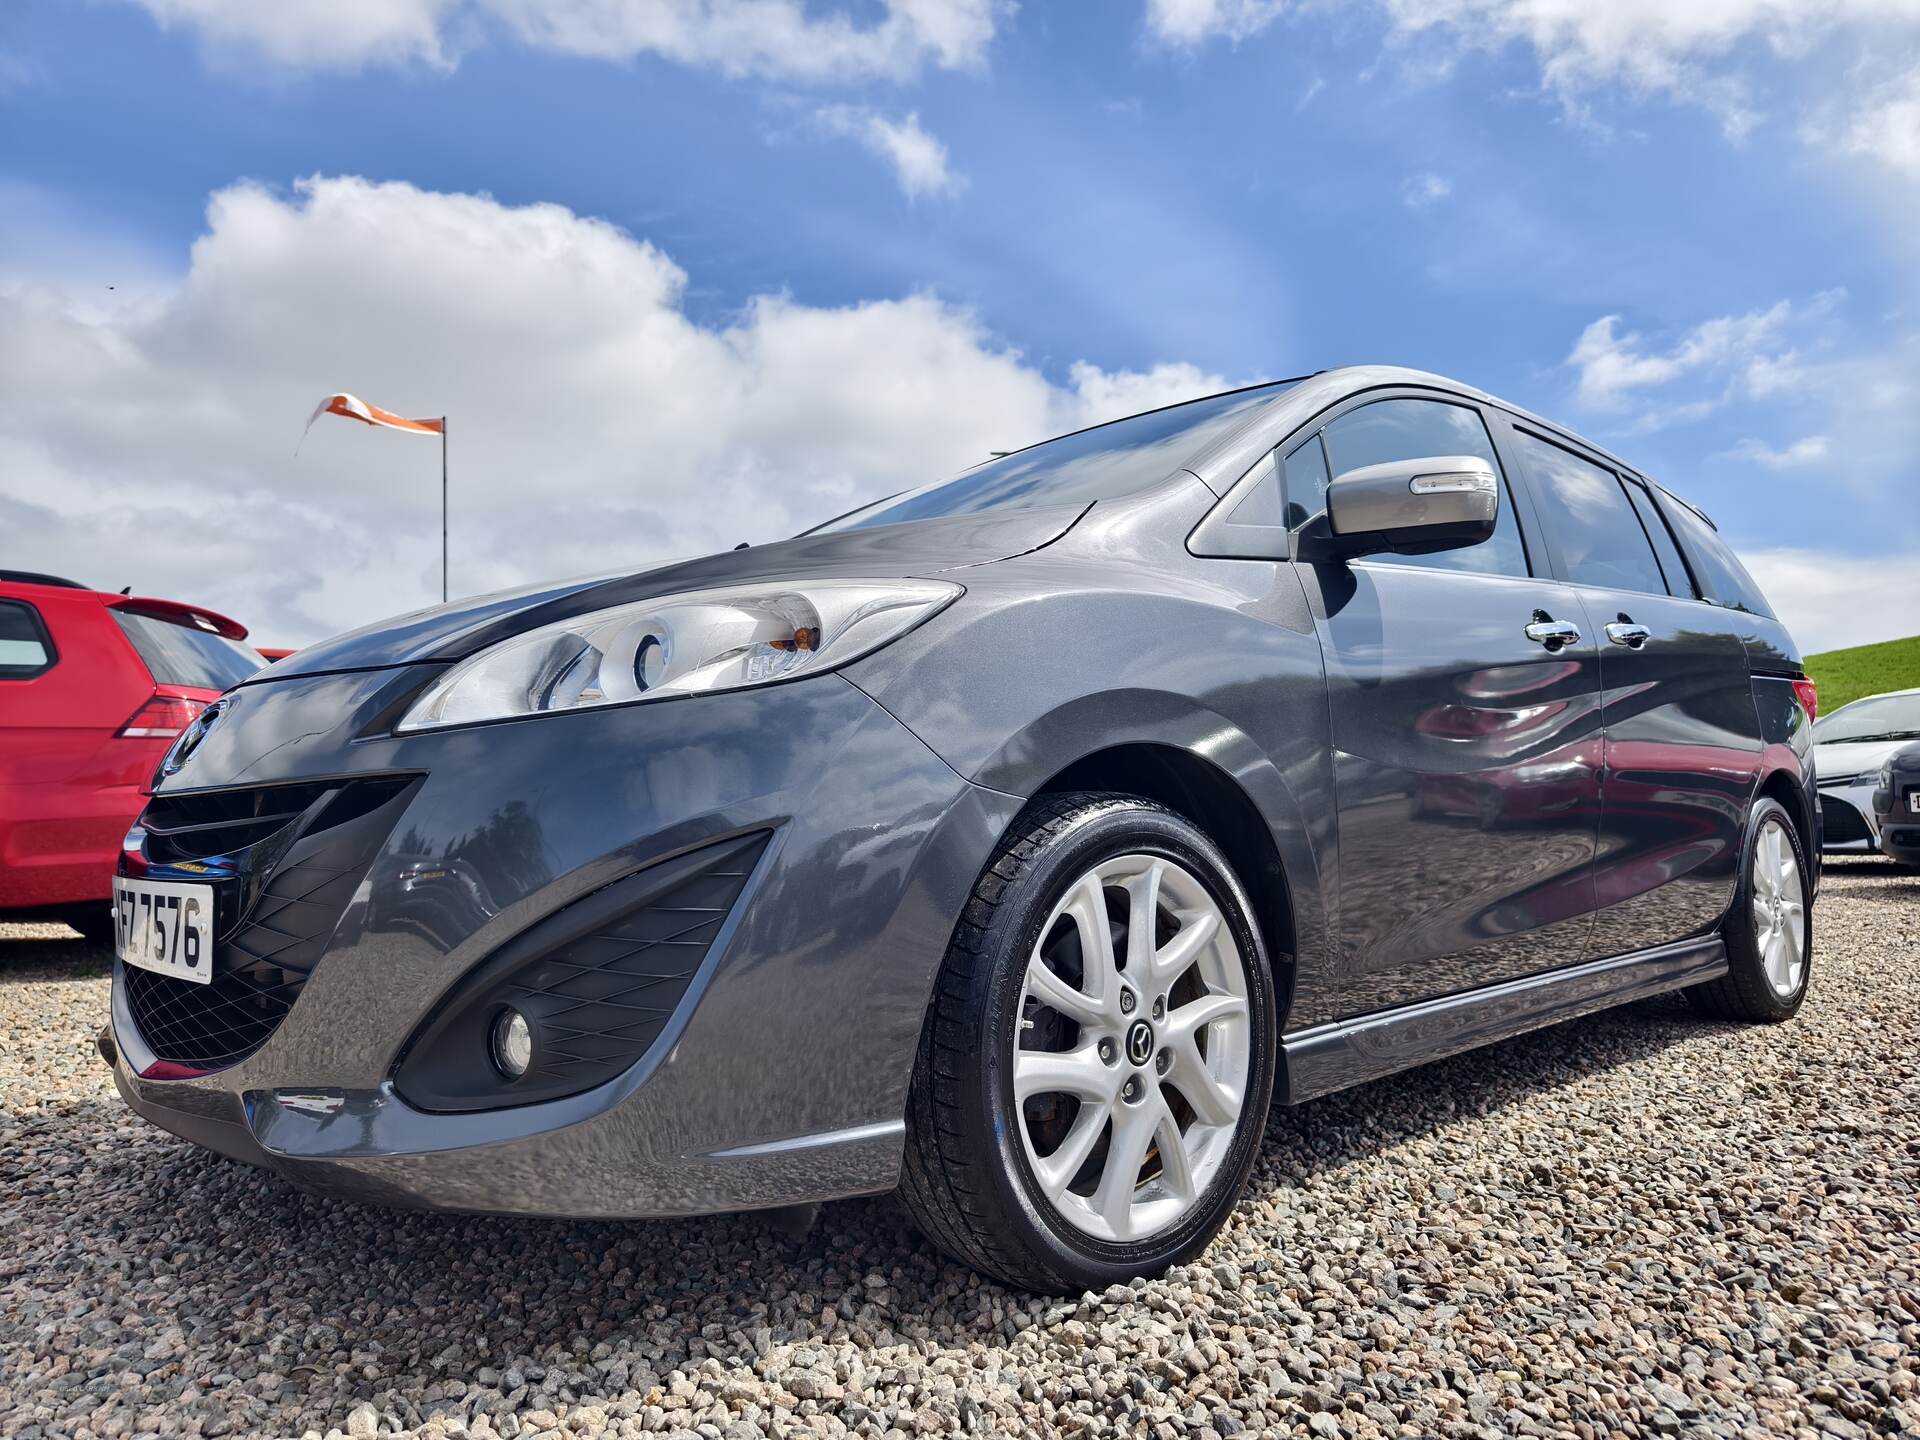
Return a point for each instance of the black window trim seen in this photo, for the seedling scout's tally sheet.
(1689, 578)
(1216, 538)
(34, 618)
(1533, 429)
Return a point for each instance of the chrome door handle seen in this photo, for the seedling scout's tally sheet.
(1554, 633)
(1625, 632)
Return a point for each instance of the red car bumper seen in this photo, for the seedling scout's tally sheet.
(59, 840)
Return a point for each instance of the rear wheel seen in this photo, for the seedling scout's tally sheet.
(1769, 931)
(1095, 1070)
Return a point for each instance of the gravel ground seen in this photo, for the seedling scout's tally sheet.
(1635, 1223)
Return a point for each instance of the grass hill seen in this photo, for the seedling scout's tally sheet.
(1845, 675)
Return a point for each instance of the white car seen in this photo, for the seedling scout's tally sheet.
(1850, 747)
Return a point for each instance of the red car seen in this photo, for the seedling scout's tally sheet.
(93, 689)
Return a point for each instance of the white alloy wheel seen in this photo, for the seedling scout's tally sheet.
(1131, 1066)
(1779, 909)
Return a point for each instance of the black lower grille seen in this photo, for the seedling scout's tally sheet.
(292, 885)
(1840, 823)
(596, 981)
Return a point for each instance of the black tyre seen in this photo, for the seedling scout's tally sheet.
(1769, 930)
(1095, 1070)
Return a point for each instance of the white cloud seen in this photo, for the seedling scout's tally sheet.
(315, 33)
(781, 39)
(1695, 51)
(1829, 600)
(918, 159)
(1613, 366)
(1883, 124)
(1803, 453)
(1193, 22)
(1686, 50)
(1419, 191)
(593, 424)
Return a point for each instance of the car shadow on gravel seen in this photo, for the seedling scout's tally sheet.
(529, 1283)
(1871, 867)
(1306, 1141)
(38, 954)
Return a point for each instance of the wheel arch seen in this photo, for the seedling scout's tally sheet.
(1783, 786)
(1200, 791)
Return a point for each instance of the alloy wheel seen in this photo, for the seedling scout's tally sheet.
(1131, 1064)
(1779, 909)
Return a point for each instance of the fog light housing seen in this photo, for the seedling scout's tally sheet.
(512, 1043)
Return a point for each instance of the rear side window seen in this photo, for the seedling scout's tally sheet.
(1675, 569)
(184, 655)
(1723, 579)
(1592, 523)
(26, 650)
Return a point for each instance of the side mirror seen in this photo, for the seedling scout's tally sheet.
(1415, 507)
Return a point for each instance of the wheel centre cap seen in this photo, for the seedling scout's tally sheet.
(1139, 1042)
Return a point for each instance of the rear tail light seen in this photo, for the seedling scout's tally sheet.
(1808, 694)
(161, 718)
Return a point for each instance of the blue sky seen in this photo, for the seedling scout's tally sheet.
(1690, 238)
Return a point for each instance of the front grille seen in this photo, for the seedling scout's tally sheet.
(1840, 823)
(301, 852)
(597, 982)
(221, 822)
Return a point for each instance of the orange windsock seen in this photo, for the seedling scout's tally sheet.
(352, 407)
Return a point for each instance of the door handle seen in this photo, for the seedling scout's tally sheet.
(1624, 632)
(1553, 633)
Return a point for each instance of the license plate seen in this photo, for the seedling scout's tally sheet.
(165, 927)
(1913, 802)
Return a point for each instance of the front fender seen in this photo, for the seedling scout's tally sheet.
(1003, 695)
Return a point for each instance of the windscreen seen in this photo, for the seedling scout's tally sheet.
(1884, 717)
(1107, 461)
(187, 655)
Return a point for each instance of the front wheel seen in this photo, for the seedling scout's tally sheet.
(1095, 1069)
(1769, 931)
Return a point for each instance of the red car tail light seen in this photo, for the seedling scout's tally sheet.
(161, 718)
(1808, 695)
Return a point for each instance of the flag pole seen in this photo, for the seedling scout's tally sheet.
(443, 509)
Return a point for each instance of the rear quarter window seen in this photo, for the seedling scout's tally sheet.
(1721, 576)
(26, 649)
(183, 655)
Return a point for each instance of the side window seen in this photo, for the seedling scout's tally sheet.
(1671, 565)
(25, 649)
(1407, 429)
(1593, 525)
(1723, 579)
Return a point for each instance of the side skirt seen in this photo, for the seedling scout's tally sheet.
(1330, 1057)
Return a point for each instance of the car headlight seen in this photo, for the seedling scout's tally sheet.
(689, 644)
(1884, 780)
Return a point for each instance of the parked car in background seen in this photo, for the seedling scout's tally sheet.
(1009, 841)
(1896, 805)
(93, 689)
(1850, 747)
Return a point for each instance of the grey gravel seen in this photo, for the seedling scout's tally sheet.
(1636, 1223)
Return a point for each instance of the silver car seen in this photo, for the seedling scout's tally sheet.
(1850, 747)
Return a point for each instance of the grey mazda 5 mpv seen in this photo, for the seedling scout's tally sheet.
(1009, 842)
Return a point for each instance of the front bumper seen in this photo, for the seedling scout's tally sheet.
(1847, 822)
(782, 1073)
(1896, 813)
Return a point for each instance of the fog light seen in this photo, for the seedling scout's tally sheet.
(512, 1044)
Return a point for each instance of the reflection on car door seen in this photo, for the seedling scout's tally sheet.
(1682, 737)
(1467, 753)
